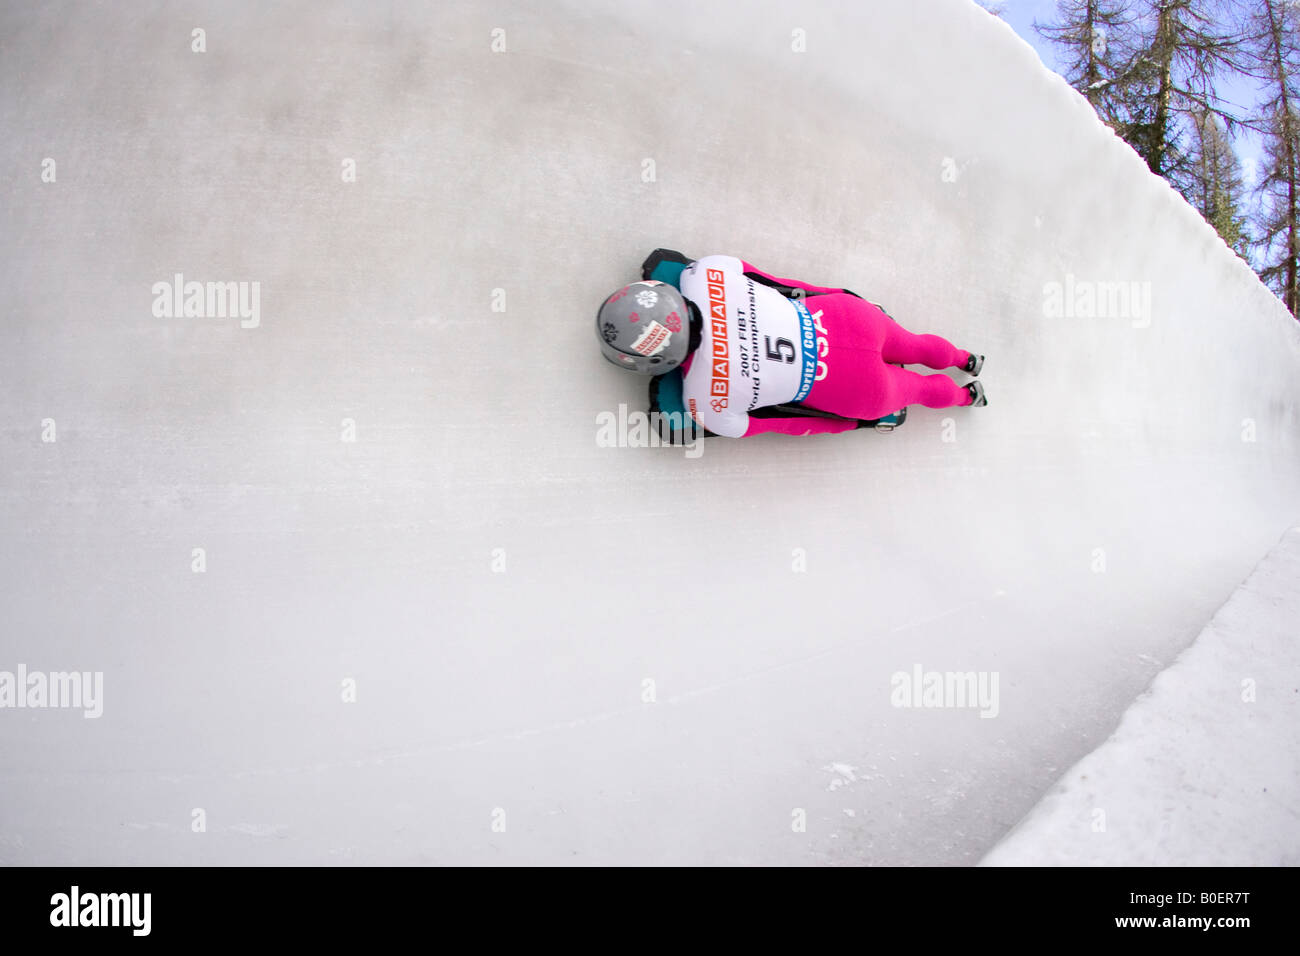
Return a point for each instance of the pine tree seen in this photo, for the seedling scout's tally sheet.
(1171, 79)
(1272, 54)
(1091, 34)
(1215, 182)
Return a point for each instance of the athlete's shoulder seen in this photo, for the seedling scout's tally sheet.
(725, 263)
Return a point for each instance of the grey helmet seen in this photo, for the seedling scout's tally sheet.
(644, 327)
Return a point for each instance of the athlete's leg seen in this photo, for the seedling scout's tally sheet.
(854, 379)
(912, 388)
(933, 351)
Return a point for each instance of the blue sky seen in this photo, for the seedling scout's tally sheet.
(1020, 15)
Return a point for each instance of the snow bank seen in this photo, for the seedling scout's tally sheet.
(1204, 768)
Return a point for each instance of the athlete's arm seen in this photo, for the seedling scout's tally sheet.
(666, 265)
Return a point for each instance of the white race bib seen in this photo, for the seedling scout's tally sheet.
(757, 347)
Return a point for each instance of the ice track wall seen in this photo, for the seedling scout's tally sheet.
(469, 633)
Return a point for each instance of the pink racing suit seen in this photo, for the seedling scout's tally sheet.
(831, 351)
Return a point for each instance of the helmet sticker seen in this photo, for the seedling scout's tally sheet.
(647, 298)
(653, 340)
(608, 332)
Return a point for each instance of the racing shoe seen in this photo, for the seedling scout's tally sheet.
(977, 399)
(973, 364)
